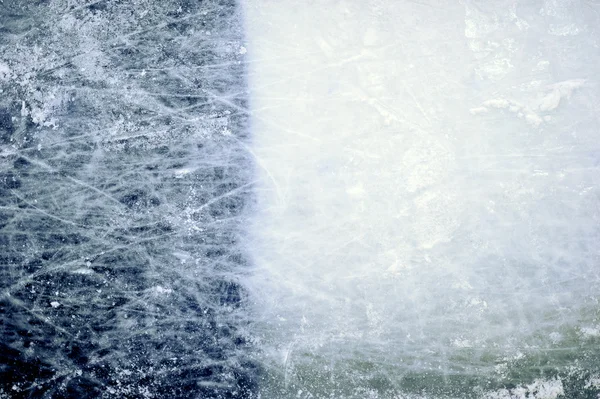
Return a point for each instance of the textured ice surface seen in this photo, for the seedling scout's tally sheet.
(414, 216)
(427, 210)
(123, 175)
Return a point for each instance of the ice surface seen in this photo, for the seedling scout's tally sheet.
(426, 219)
(123, 173)
(307, 199)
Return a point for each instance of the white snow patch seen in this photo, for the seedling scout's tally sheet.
(539, 389)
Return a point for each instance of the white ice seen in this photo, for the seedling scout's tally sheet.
(428, 181)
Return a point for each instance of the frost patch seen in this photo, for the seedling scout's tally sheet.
(531, 113)
(593, 382)
(462, 343)
(539, 389)
(5, 73)
(83, 271)
(564, 30)
(589, 332)
(159, 290)
(478, 110)
(558, 91)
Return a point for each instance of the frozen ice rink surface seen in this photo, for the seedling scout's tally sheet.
(122, 185)
(426, 219)
(277, 199)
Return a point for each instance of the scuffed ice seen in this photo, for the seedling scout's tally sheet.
(427, 212)
(310, 199)
(123, 175)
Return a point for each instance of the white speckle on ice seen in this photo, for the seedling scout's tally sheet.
(542, 65)
(559, 91)
(463, 285)
(356, 190)
(593, 382)
(478, 110)
(55, 304)
(462, 343)
(533, 119)
(589, 332)
(515, 357)
(550, 101)
(564, 30)
(5, 72)
(161, 290)
(539, 389)
(555, 337)
(179, 173)
(477, 302)
(497, 103)
(83, 270)
(24, 110)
